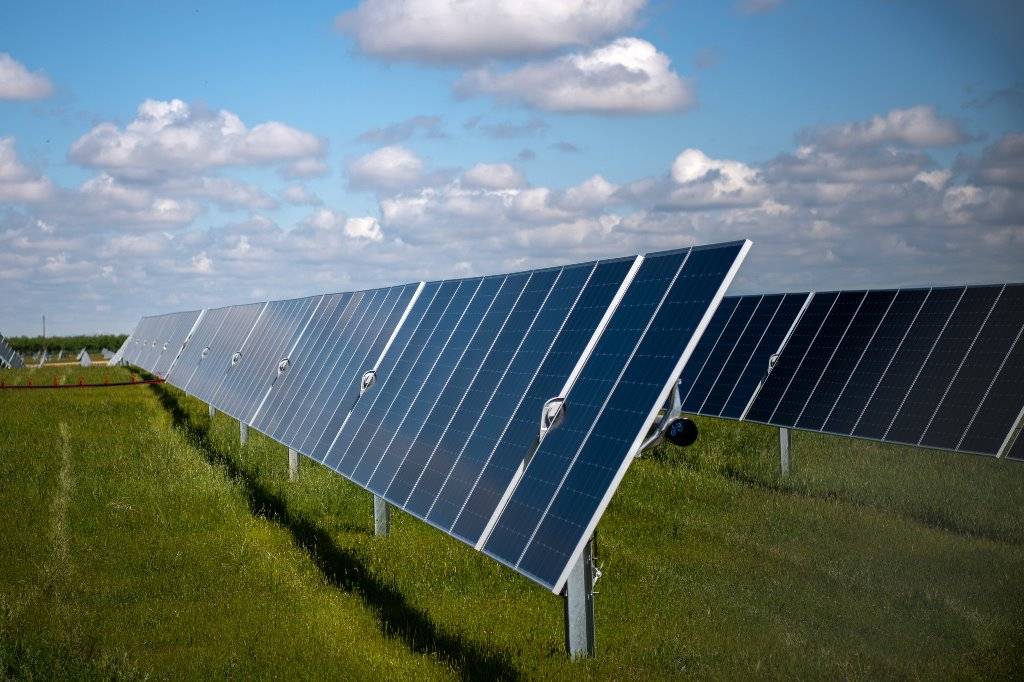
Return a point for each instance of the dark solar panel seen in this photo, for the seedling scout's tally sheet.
(577, 467)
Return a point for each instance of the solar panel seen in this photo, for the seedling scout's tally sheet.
(431, 394)
(9, 357)
(345, 338)
(85, 360)
(732, 358)
(569, 481)
(1016, 451)
(246, 380)
(939, 368)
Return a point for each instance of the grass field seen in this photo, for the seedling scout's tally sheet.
(140, 540)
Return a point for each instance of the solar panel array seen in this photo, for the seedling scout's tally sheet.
(9, 357)
(940, 368)
(430, 395)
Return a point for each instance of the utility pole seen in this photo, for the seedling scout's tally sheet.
(44, 327)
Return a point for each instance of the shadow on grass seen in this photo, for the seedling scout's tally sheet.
(345, 569)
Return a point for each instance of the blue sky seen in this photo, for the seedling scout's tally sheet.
(858, 144)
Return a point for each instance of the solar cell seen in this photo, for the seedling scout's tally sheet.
(237, 322)
(567, 484)
(245, 382)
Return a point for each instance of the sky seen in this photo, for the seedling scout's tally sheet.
(181, 156)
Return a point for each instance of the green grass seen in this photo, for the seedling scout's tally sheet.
(140, 540)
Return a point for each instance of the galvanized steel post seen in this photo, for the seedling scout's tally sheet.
(784, 451)
(580, 636)
(381, 516)
(293, 464)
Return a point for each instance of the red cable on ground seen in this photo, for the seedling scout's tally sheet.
(4, 387)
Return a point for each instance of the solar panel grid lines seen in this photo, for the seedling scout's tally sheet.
(708, 344)
(420, 321)
(952, 381)
(735, 331)
(505, 463)
(756, 363)
(395, 397)
(245, 382)
(196, 352)
(781, 376)
(865, 345)
(689, 306)
(1017, 451)
(315, 361)
(579, 464)
(502, 384)
(435, 387)
(466, 305)
(390, 306)
(831, 356)
(184, 342)
(287, 358)
(424, 491)
(739, 355)
(917, 375)
(237, 323)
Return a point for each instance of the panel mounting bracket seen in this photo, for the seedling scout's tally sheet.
(672, 425)
(368, 380)
(551, 415)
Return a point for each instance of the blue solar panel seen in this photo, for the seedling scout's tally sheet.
(723, 351)
(937, 367)
(321, 407)
(246, 382)
(175, 336)
(569, 481)
(238, 321)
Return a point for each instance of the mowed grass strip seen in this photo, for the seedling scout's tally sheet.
(868, 561)
(126, 553)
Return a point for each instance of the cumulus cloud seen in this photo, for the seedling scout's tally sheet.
(919, 126)
(172, 137)
(1002, 163)
(18, 83)
(441, 30)
(328, 223)
(493, 176)
(300, 195)
(389, 168)
(627, 76)
(224, 192)
(428, 126)
(17, 182)
(306, 168)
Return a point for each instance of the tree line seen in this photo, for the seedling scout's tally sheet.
(26, 345)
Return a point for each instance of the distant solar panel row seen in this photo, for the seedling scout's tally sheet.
(940, 368)
(448, 425)
(9, 357)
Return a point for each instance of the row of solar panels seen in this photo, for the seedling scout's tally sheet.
(940, 368)
(433, 395)
(9, 357)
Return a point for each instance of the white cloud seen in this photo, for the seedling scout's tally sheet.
(627, 76)
(364, 228)
(300, 195)
(17, 82)
(172, 137)
(388, 168)
(443, 30)
(328, 223)
(935, 179)
(591, 194)
(1002, 163)
(17, 182)
(919, 126)
(306, 168)
(700, 182)
(493, 176)
(222, 191)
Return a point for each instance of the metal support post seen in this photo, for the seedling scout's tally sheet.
(579, 606)
(381, 517)
(293, 464)
(243, 433)
(213, 410)
(784, 451)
